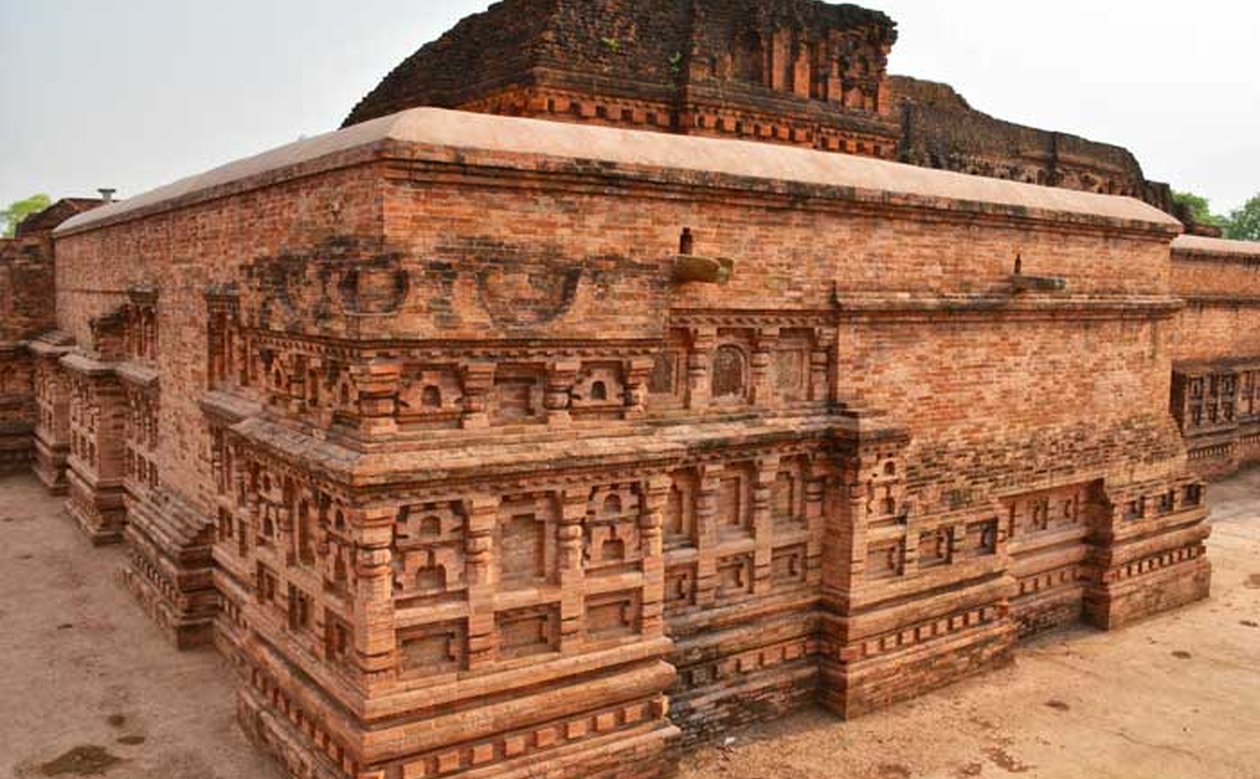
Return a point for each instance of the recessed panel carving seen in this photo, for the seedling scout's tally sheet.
(734, 500)
(789, 565)
(680, 587)
(792, 365)
(982, 538)
(429, 550)
(735, 576)
(730, 373)
(611, 530)
(432, 649)
(680, 509)
(518, 395)
(525, 545)
(600, 390)
(528, 632)
(613, 615)
(787, 494)
(429, 394)
(885, 560)
(936, 547)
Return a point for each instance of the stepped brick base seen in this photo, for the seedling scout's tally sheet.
(170, 570)
(50, 466)
(1136, 599)
(731, 675)
(642, 753)
(99, 508)
(854, 689)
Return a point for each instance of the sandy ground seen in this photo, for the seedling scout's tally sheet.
(86, 679)
(88, 687)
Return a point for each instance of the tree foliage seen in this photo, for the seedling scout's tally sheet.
(15, 213)
(1198, 208)
(1244, 223)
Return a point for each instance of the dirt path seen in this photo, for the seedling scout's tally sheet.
(88, 687)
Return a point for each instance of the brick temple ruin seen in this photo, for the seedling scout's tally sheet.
(611, 380)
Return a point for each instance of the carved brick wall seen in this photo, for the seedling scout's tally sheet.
(97, 457)
(331, 204)
(52, 399)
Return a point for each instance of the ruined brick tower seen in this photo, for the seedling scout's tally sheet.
(490, 446)
(801, 72)
(798, 72)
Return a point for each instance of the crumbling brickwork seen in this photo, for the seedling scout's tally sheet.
(516, 461)
(799, 72)
(17, 408)
(793, 71)
(27, 309)
(21, 263)
(939, 129)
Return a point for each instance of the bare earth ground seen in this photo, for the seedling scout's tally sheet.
(88, 687)
(82, 668)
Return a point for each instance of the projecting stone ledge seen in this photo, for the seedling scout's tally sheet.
(705, 270)
(1022, 283)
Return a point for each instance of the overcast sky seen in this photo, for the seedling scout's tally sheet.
(136, 93)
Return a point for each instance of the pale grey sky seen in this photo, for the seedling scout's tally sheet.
(136, 93)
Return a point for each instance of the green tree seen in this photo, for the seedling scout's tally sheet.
(1244, 223)
(14, 214)
(1199, 209)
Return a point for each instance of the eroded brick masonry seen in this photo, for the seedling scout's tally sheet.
(490, 446)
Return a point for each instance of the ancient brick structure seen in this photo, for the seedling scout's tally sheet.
(1216, 380)
(27, 309)
(17, 412)
(797, 72)
(716, 431)
(51, 393)
(939, 129)
(488, 446)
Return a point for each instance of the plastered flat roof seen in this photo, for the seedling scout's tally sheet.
(1201, 244)
(440, 130)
